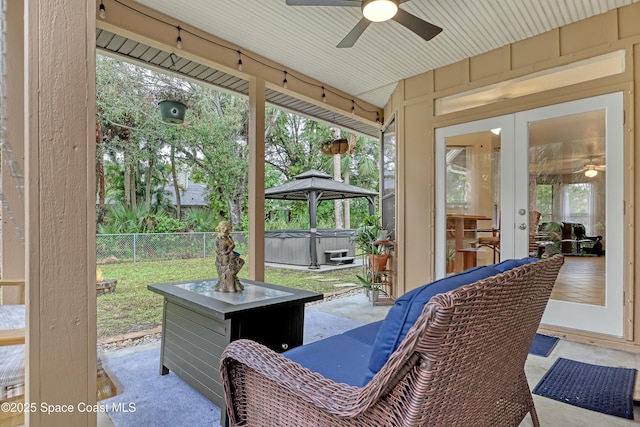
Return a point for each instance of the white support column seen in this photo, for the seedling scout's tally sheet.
(60, 209)
(13, 222)
(256, 178)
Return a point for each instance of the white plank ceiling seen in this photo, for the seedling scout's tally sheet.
(304, 38)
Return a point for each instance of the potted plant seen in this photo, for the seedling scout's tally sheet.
(173, 96)
(368, 232)
(378, 259)
(173, 105)
(371, 283)
(451, 259)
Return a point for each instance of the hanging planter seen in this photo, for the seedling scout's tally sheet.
(337, 146)
(172, 111)
(173, 97)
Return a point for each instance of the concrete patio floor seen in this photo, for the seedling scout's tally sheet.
(550, 412)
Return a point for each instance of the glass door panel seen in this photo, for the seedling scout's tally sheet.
(469, 191)
(567, 185)
(579, 201)
(472, 193)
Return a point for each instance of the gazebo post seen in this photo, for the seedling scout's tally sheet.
(313, 210)
(372, 206)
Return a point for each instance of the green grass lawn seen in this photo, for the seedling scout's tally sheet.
(134, 308)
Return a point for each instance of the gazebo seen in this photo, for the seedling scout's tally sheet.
(315, 186)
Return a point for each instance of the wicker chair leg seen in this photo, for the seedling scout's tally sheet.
(534, 417)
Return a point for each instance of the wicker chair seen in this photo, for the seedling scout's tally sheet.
(492, 242)
(461, 364)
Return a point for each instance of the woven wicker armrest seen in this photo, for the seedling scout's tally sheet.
(335, 398)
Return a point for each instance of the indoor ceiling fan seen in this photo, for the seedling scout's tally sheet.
(592, 168)
(376, 11)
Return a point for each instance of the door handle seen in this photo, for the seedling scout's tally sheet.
(522, 226)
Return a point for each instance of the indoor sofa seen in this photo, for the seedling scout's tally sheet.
(450, 353)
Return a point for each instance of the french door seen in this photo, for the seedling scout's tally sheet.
(536, 183)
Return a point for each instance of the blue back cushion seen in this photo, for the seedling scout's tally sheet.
(513, 263)
(408, 308)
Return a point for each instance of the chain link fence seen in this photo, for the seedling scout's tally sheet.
(114, 248)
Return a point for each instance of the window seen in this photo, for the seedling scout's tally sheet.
(388, 179)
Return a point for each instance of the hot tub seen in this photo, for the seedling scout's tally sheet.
(292, 246)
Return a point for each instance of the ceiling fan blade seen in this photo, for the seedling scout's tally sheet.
(351, 38)
(324, 3)
(422, 28)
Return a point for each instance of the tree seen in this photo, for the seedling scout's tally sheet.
(139, 155)
(216, 143)
(293, 143)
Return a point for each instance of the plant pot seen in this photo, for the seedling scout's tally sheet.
(378, 262)
(343, 145)
(172, 111)
(337, 146)
(374, 295)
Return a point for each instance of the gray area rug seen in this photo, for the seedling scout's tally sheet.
(148, 399)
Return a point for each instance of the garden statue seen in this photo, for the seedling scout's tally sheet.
(228, 262)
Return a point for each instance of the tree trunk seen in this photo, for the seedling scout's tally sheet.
(337, 166)
(235, 211)
(129, 179)
(176, 187)
(127, 182)
(147, 191)
(132, 188)
(347, 177)
(100, 184)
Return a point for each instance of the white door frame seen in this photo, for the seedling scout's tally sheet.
(607, 319)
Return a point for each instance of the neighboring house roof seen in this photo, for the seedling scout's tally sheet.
(195, 195)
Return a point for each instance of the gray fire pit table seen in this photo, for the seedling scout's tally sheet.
(198, 323)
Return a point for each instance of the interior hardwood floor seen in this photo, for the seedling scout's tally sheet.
(581, 280)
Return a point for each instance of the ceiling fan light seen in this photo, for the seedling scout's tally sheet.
(591, 172)
(379, 10)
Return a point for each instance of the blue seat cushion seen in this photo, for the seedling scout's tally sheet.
(408, 308)
(367, 333)
(342, 358)
(513, 263)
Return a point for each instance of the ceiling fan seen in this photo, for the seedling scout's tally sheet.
(376, 11)
(592, 168)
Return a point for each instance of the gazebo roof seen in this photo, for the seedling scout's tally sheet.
(314, 180)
